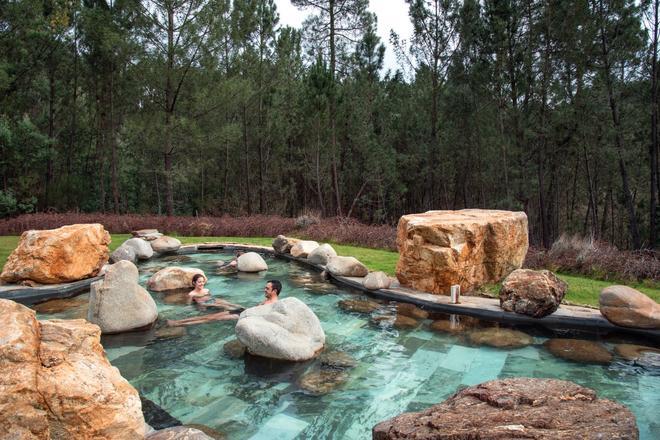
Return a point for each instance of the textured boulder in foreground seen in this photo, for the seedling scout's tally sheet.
(627, 307)
(118, 303)
(542, 409)
(535, 293)
(286, 330)
(56, 382)
(173, 278)
(61, 255)
(470, 247)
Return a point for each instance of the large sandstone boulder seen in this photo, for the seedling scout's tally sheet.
(286, 330)
(346, 267)
(251, 262)
(56, 382)
(173, 278)
(62, 255)
(303, 248)
(283, 245)
(118, 303)
(142, 248)
(627, 307)
(535, 293)
(471, 247)
(165, 244)
(321, 254)
(542, 409)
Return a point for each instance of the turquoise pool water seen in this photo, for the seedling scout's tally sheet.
(191, 377)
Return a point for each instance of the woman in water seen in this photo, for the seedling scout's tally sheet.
(203, 297)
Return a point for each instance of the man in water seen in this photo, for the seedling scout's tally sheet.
(272, 291)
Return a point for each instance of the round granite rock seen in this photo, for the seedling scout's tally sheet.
(579, 350)
(517, 408)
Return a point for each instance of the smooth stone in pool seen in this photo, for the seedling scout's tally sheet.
(450, 326)
(500, 338)
(178, 433)
(251, 262)
(321, 254)
(287, 329)
(631, 352)
(516, 408)
(627, 307)
(579, 350)
(170, 332)
(337, 360)
(376, 280)
(535, 293)
(234, 349)
(165, 244)
(303, 248)
(118, 303)
(142, 248)
(173, 278)
(322, 381)
(123, 253)
(359, 306)
(411, 310)
(397, 321)
(346, 267)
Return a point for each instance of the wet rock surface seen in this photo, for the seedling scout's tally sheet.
(170, 332)
(411, 311)
(62, 305)
(627, 307)
(320, 382)
(396, 321)
(579, 350)
(631, 352)
(543, 409)
(454, 326)
(500, 338)
(535, 293)
(336, 360)
(234, 349)
(359, 306)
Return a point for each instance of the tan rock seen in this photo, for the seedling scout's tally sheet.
(303, 248)
(346, 267)
(471, 247)
(627, 307)
(631, 352)
(283, 245)
(376, 280)
(62, 255)
(179, 433)
(58, 384)
(165, 244)
(500, 338)
(321, 254)
(322, 381)
(359, 306)
(173, 278)
(536, 293)
(411, 310)
(396, 321)
(579, 350)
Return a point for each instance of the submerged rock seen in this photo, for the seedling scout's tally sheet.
(397, 321)
(61, 305)
(322, 381)
(62, 255)
(337, 360)
(631, 352)
(579, 350)
(356, 305)
(542, 409)
(171, 332)
(234, 349)
(176, 259)
(452, 326)
(411, 310)
(287, 330)
(535, 293)
(500, 338)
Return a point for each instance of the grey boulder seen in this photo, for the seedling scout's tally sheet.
(251, 262)
(321, 254)
(142, 248)
(346, 267)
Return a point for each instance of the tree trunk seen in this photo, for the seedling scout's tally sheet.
(247, 161)
(653, 147)
(333, 108)
(169, 110)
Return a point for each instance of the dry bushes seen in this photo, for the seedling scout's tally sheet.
(596, 259)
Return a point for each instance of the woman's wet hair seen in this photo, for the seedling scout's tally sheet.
(196, 277)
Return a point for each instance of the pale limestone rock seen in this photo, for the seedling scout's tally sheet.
(303, 248)
(376, 280)
(321, 254)
(286, 330)
(118, 303)
(142, 248)
(123, 253)
(251, 262)
(471, 247)
(346, 267)
(173, 278)
(165, 244)
(62, 255)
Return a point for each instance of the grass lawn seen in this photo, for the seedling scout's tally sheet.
(581, 290)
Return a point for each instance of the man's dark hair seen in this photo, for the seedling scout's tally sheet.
(275, 284)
